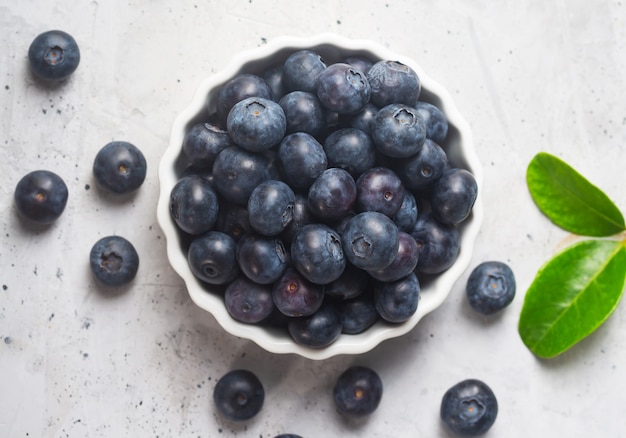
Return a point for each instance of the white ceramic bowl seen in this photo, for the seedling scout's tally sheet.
(332, 48)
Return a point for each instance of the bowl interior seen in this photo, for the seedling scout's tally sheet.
(458, 146)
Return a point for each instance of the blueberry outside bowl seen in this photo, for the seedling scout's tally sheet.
(332, 48)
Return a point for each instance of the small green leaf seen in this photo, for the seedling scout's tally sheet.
(572, 295)
(571, 201)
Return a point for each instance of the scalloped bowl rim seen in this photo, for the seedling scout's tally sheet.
(432, 296)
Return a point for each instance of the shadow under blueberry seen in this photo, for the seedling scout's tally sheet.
(114, 199)
(109, 292)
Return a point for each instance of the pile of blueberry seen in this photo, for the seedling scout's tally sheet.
(301, 194)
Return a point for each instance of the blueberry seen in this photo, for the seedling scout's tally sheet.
(396, 301)
(212, 258)
(302, 160)
(194, 204)
(422, 170)
(352, 283)
(358, 391)
(304, 112)
(239, 395)
(317, 253)
(113, 261)
(357, 314)
(119, 167)
(343, 89)
(295, 296)
(469, 408)
(262, 259)
(380, 189)
(53, 55)
(301, 70)
(490, 287)
(393, 82)
(403, 264)
(438, 244)
(362, 120)
(203, 142)
(256, 124)
(453, 196)
(350, 149)
(270, 207)
(41, 196)
(237, 172)
(317, 330)
(406, 216)
(238, 88)
(436, 121)
(370, 240)
(247, 301)
(332, 195)
(398, 131)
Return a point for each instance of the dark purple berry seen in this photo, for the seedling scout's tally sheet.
(239, 395)
(41, 196)
(113, 261)
(358, 391)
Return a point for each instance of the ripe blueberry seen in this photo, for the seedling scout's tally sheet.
(41, 196)
(256, 124)
(317, 330)
(380, 189)
(193, 204)
(262, 259)
(370, 240)
(490, 287)
(317, 253)
(247, 301)
(453, 196)
(396, 301)
(240, 87)
(203, 143)
(469, 408)
(358, 391)
(398, 130)
(212, 258)
(438, 244)
(304, 112)
(119, 167)
(114, 261)
(393, 82)
(343, 89)
(270, 207)
(332, 195)
(436, 121)
(239, 395)
(53, 55)
(301, 70)
(351, 149)
(295, 296)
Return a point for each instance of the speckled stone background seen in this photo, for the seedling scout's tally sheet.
(529, 76)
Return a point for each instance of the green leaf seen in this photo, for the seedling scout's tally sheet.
(572, 295)
(569, 200)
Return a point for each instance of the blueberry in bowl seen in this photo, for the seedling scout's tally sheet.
(296, 121)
